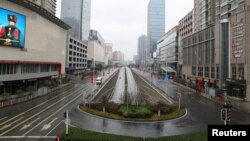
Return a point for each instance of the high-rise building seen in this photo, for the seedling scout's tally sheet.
(141, 49)
(76, 13)
(49, 5)
(156, 23)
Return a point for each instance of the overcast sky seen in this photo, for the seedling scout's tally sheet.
(121, 22)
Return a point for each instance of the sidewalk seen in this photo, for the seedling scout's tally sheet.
(236, 103)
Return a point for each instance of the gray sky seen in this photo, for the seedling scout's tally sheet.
(121, 22)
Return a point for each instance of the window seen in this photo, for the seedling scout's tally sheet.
(233, 67)
(29, 68)
(6, 69)
(44, 68)
(241, 72)
(206, 71)
(54, 67)
(200, 71)
(194, 70)
(212, 72)
(217, 72)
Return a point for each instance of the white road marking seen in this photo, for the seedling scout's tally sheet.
(32, 108)
(11, 118)
(3, 118)
(8, 125)
(28, 125)
(47, 126)
(37, 114)
(54, 128)
(29, 137)
(53, 114)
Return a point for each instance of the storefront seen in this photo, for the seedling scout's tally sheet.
(236, 88)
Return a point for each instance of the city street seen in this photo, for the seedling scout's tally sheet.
(42, 118)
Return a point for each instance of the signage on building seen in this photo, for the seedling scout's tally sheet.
(237, 30)
(12, 28)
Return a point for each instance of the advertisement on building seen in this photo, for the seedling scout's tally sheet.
(12, 28)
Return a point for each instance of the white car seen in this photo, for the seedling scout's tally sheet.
(98, 80)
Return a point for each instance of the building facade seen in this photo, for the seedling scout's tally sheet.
(155, 25)
(142, 49)
(233, 23)
(77, 13)
(167, 49)
(76, 59)
(96, 48)
(49, 5)
(41, 50)
(199, 51)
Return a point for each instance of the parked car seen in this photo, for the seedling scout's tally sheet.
(98, 80)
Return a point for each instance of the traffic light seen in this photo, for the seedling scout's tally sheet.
(223, 114)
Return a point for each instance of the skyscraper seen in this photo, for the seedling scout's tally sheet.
(76, 13)
(141, 50)
(156, 23)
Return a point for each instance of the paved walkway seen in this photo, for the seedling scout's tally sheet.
(236, 103)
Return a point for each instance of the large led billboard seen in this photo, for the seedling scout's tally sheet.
(12, 28)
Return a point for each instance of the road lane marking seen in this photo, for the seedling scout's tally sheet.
(39, 113)
(54, 128)
(53, 113)
(11, 118)
(3, 118)
(47, 126)
(28, 125)
(33, 108)
(29, 137)
(8, 125)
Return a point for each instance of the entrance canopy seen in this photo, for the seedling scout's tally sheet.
(168, 69)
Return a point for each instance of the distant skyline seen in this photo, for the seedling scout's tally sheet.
(121, 22)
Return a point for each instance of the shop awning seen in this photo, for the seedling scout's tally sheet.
(168, 69)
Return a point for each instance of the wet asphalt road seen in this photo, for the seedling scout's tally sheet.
(46, 117)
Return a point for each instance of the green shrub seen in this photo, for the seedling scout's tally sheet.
(5, 95)
(30, 88)
(19, 92)
(134, 112)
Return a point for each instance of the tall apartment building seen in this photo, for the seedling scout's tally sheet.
(186, 28)
(49, 5)
(141, 49)
(199, 47)
(76, 13)
(155, 24)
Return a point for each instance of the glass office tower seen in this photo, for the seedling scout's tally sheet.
(76, 13)
(156, 24)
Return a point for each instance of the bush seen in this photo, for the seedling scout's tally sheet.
(165, 109)
(5, 95)
(30, 88)
(112, 107)
(19, 92)
(134, 112)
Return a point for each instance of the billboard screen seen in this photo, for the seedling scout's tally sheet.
(12, 28)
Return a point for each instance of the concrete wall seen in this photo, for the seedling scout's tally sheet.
(44, 40)
(96, 51)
